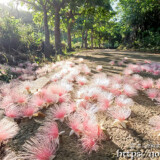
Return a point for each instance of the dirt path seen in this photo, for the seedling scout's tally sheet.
(104, 56)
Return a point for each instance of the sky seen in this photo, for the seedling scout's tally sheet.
(114, 4)
(6, 2)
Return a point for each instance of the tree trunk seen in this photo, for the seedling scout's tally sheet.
(82, 39)
(57, 31)
(92, 38)
(99, 42)
(86, 36)
(69, 37)
(47, 45)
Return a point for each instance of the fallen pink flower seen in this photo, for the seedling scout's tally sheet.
(39, 148)
(105, 100)
(155, 122)
(112, 63)
(120, 114)
(129, 91)
(58, 113)
(89, 144)
(152, 93)
(81, 80)
(124, 101)
(99, 68)
(8, 129)
(147, 83)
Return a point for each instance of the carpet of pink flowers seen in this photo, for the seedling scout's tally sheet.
(76, 97)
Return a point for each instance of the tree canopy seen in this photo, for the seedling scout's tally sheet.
(68, 24)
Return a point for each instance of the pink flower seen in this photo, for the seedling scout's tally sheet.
(155, 122)
(70, 107)
(27, 86)
(94, 93)
(120, 63)
(100, 80)
(147, 83)
(59, 112)
(81, 103)
(7, 101)
(92, 129)
(105, 100)
(8, 129)
(75, 124)
(127, 71)
(124, 101)
(83, 93)
(63, 98)
(112, 63)
(39, 148)
(137, 77)
(81, 80)
(18, 70)
(19, 98)
(89, 144)
(119, 113)
(134, 68)
(152, 93)
(147, 61)
(12, 111)
(37, 101)
(129, 91)
(81, 60)
(29, 110)
(57, 89)
(56, 77)
(158, 84)
(49, 129)
(116, 89)
(50, 98)
(99, 68)
(68, 87)
(69, 78)
(41, 92)
(85, 69)
(5, 90)
(117, 78)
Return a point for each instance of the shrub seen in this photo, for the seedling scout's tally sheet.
(9, 34)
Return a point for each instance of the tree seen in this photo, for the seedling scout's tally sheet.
(57, 6)
(93, 17)
(140, 19)
(42, 6)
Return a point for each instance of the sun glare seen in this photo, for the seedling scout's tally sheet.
(5, 1)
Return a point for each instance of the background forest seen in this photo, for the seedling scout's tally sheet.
(59, 26)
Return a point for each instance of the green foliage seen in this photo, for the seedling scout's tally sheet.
(140, 21)
(134, 24)
(6, 75)
(30, 37)
(15, 35)
(9, 33)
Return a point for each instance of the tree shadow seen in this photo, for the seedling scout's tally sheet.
(71, 149)
(143, 100)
